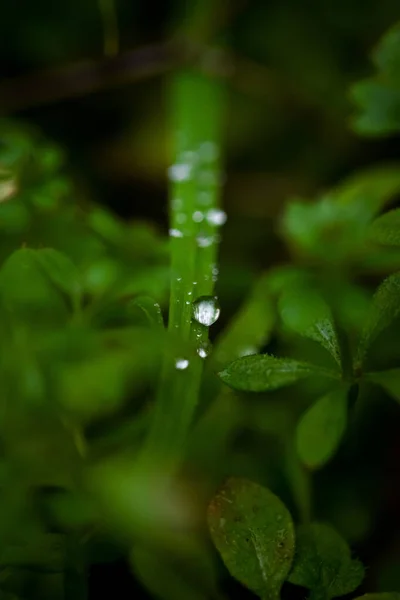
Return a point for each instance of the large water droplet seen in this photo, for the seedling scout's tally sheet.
(206, 310)
(181, 363)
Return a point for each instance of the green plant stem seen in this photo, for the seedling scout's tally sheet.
(300, 481)
(196, 106)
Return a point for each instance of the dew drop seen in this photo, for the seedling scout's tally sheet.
(181, 364)
(209, 151)
(180, 172)
(206, 310)
(175, 233)
(198, 216)
(204, 198)
(180, 218)
(204, 241)
(177, 204)
(216, 217)
(204, 349)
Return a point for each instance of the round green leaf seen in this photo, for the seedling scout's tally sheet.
(323, 562)
(253, 532)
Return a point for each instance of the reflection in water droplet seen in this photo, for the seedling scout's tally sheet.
(216, 217)
(176, 233)
(206, 310)
(181, 363)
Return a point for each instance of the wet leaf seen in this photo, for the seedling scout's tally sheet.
(323, 562)
(321, 428)
(384, 309)
(253, 531)
(262, 372)
(304, 311)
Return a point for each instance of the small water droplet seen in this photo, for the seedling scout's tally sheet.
(179, 278)
(198, 216)
(189, 293)
(206, 310)
(176, 233)
(177, 203)
(204, 241)
(209, 151)
(181, 364)
(188, 157)
(180, 218)
(187, 301)
(208, 178)
(180, 172)
(204, 198)
(216, 217)
(204, 349)
(215, 273)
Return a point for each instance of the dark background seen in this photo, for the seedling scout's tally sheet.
(287, 134)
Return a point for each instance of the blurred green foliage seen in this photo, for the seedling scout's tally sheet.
(310, 351)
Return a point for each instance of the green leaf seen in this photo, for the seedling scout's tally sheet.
(386, 228)
(253, 531)
(321, 428)
(150, 308)
(28, 292)
(385, 309)
(323, 562)
(378, 98)
(45, 552)
(304, 311)
(62, 273)
(250, 328)
(188, 575)
(379, 108)
(368, 190)
(387, 55)
(380, 596)
(389, 380)
(262, 372)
